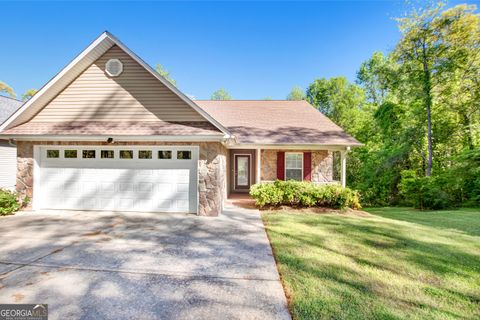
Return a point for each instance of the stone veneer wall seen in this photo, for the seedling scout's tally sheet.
(212, 169)
(322, 165)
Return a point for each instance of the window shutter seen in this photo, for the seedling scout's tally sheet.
(307, 166)
(281, 165)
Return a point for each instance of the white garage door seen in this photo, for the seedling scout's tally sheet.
(150, 179)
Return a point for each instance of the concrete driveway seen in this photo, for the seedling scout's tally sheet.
(97, 265)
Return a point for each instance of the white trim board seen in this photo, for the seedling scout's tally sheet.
(115, 138)
(291, 147)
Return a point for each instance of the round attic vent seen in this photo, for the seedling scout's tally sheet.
(114, 67)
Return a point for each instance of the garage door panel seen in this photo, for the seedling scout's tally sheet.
(107, 204)
(89, 187)
(107, 187)
(126, 204)
(179, 196)
(182, 187)
(164, 188)
(164, 205)
(125, 187)
(145, 187)
(71, 188)
(121, 185)
(182, 204)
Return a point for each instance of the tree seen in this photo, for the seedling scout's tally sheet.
(375, 76)
(165, 73)
(420, 51)
(28, 94)
(221, 94)
(338, 99)
(5, 88)
(296, 94)
(416, 109)
(459, 89)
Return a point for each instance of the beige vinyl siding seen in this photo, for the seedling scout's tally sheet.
(8, 165)
(135, 95)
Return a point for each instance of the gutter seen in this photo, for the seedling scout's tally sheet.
(198, 138)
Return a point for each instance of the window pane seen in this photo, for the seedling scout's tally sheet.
(126, 154)
(70, 154)
(53, 153)
(164, 154)
(293, 161)
(88, 154)
(145, 154)
(185, 155)
(107, 154)
(293, 174)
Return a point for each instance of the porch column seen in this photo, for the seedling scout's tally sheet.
(259, 163)
(343, 160)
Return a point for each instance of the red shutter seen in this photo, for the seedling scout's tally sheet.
(307, 166)
(281, 165)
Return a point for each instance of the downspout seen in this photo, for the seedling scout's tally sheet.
(12, 142)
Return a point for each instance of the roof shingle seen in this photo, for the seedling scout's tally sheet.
(134, 128)
(276, 122)
(8, 106)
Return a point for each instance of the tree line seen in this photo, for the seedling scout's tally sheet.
(417, 110)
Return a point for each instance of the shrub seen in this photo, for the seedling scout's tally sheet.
(8, 202)
(304, 194)
(427, 192)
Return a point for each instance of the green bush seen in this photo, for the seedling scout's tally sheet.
(304, 194)
(8, 202)
(427, 192)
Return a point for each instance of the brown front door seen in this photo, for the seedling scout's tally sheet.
(242, 171)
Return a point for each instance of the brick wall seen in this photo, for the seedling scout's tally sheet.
(322, 165)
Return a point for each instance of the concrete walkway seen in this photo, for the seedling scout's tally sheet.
(97, 265)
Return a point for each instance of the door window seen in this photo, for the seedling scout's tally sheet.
(242, 171)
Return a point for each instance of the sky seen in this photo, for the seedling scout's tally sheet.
(252, 49)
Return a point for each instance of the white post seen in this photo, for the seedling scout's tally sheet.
(259, 162)
(343, 159)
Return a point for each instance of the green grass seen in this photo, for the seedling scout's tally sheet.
(398, 263)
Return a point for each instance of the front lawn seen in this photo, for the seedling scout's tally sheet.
(397, 263)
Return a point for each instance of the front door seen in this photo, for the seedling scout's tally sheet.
(242, 171)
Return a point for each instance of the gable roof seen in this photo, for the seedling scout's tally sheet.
(276, 122)
(94, 51)
(8, 106)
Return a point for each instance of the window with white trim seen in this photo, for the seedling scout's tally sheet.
(294, 166)
(53, 154)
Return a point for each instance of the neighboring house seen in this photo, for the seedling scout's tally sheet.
(109, 133)
(8, 152)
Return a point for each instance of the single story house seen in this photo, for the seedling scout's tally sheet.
(8, 151)
(109, 133)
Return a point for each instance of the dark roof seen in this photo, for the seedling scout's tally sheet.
(276, 122)
(8, 106)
